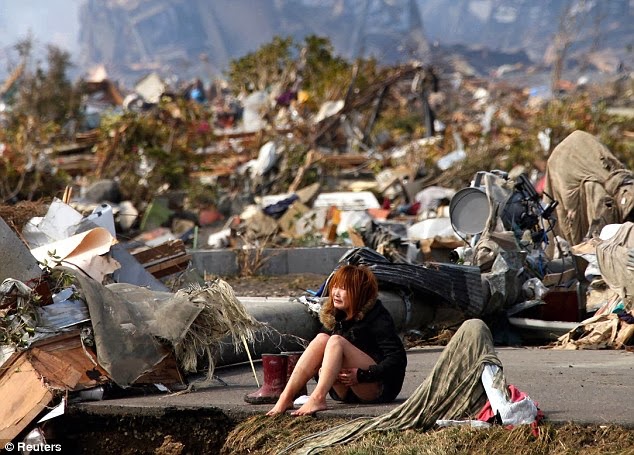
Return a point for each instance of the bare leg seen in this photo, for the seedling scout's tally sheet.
(306, 367)
(338, 353)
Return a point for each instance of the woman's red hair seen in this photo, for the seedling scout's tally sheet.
(359, 282)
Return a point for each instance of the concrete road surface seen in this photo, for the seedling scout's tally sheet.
(570, 386)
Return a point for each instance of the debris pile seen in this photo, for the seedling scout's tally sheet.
(69, 331)
(468, 198)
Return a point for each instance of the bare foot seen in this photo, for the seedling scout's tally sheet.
(310, 407)
(280, 408)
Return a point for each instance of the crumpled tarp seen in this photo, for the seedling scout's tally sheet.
(592, 186)
(128, 321)
(494, 239)
(505, 285)
(613, 259)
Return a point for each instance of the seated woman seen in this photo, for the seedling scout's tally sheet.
(358, 354)
(466, 375)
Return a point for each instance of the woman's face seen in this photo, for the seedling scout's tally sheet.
(341, 299)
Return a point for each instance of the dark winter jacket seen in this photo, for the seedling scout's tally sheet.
(375, 334)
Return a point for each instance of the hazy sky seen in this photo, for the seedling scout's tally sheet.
(49, 21)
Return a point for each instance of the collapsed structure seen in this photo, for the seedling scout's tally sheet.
(67, 326)
(84, 305)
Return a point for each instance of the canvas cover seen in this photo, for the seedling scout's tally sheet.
(614, 263)
(128, 322)
(592, 186)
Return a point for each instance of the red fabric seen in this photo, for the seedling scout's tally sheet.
(486, 413)
(540, 185)
(413, 209)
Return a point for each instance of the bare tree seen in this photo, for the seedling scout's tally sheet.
(566, 35)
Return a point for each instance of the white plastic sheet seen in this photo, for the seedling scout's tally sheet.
(82, 251)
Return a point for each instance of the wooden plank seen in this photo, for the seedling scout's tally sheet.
(171, 266)
(76, 163)
(165, 259)
(24, 397)
(57, 373)
(357, 239)
(68, 347)
(558, 279)
(58, 342)
(166, 372)
(169, 249)
(178, 257)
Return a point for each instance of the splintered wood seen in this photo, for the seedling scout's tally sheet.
(166, 259)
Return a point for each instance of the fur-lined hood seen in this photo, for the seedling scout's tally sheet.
(327, 314)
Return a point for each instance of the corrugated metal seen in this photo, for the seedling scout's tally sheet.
(457, 284)
(63, 314)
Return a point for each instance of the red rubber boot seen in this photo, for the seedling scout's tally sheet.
(293, 357)
(275, 370)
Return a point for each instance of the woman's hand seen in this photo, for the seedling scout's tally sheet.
(348, 377)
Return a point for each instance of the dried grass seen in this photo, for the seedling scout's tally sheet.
(566, 439)
(17, 215)
(268, 435)
(222, 317)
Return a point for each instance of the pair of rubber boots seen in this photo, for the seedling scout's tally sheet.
(277, 370)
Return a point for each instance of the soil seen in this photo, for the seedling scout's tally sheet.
(171, 432)
(210, 431)
(292, 285)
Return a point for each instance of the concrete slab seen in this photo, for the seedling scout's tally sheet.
(586, 387)
(17, 260)
(215, 262)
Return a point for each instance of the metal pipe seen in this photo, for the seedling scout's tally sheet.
(293, 323)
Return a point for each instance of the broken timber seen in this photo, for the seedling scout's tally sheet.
(166, 259)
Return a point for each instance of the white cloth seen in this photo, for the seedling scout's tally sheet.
(520, 412)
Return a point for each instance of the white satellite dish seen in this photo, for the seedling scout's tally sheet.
(469, 211)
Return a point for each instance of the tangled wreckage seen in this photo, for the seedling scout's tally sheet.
(87, 308)
(81, 309)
